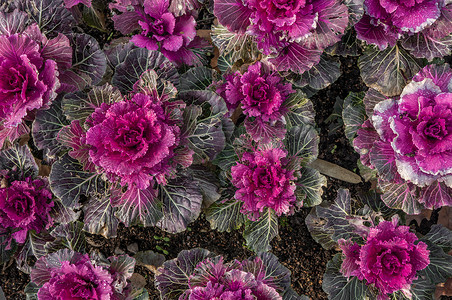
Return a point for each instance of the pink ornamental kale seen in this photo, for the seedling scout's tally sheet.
(385, 22)
(414, 136)
(215, 280)
(263, 181)
(388, 260)
(133, 139)
(28, 74)
(74, 278)
(293, 32)
(25, 205)
(160, 28)
(261, 93)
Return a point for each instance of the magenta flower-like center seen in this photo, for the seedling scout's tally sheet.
(22, 206)
(435, 129)
(259, 92)
(288, 8)
(83, 287)
(390, 262)
(157, 27)
(15, 80)
(129, 137)
(265, 177)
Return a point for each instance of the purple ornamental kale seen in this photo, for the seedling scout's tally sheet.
(25, 205)
(261, 93)
(133, 139)
(388, 260)
(385, 22)
(75, 277)
(409, 139)
(28, 74)
(263, 181)
(216, 280)
(160, 28)
(198, 274)
(293, 32)
(71, 3)
(136, 141)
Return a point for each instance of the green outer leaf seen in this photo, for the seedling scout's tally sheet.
(348, 45)
(226, 158)
(70, 236)
(140, 206)
(440, 266)
(322, 74)
(68, 181)
(122, 267)
(303, 141)
(258, 234)
(225, 216)
(141, 294)
(89, 62)
(301, 110)
(80, 105)
(339, 287)
(366, 172)
(354, 114)
(173, 278)
(399, 196)
(51, 16)
(422, 289)
(19, 158)
(388, 71)
(225, 63)
(321, 235)
(31, 291)
(373, 201)
(290, 294)
(309, 187)
(46, 127)
(440, 236)
(138, 61)
(236, 45)
(99, 217)
(198, 78)
(182, 200)
(338, 216)
(63, 214)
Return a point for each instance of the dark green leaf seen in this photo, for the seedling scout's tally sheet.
(258, 234)
(388, 71)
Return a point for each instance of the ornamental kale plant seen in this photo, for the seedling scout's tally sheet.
(28, 209)
(422, 26)
(404, 32)
(389, 258)
(407, 140)
(293, 34)
(261, 94)
(133, 152)
(163, 26)
(66, 274)
(268, 180)
(263, 181)
(29, 70)
(380, 258)
(198, 274)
